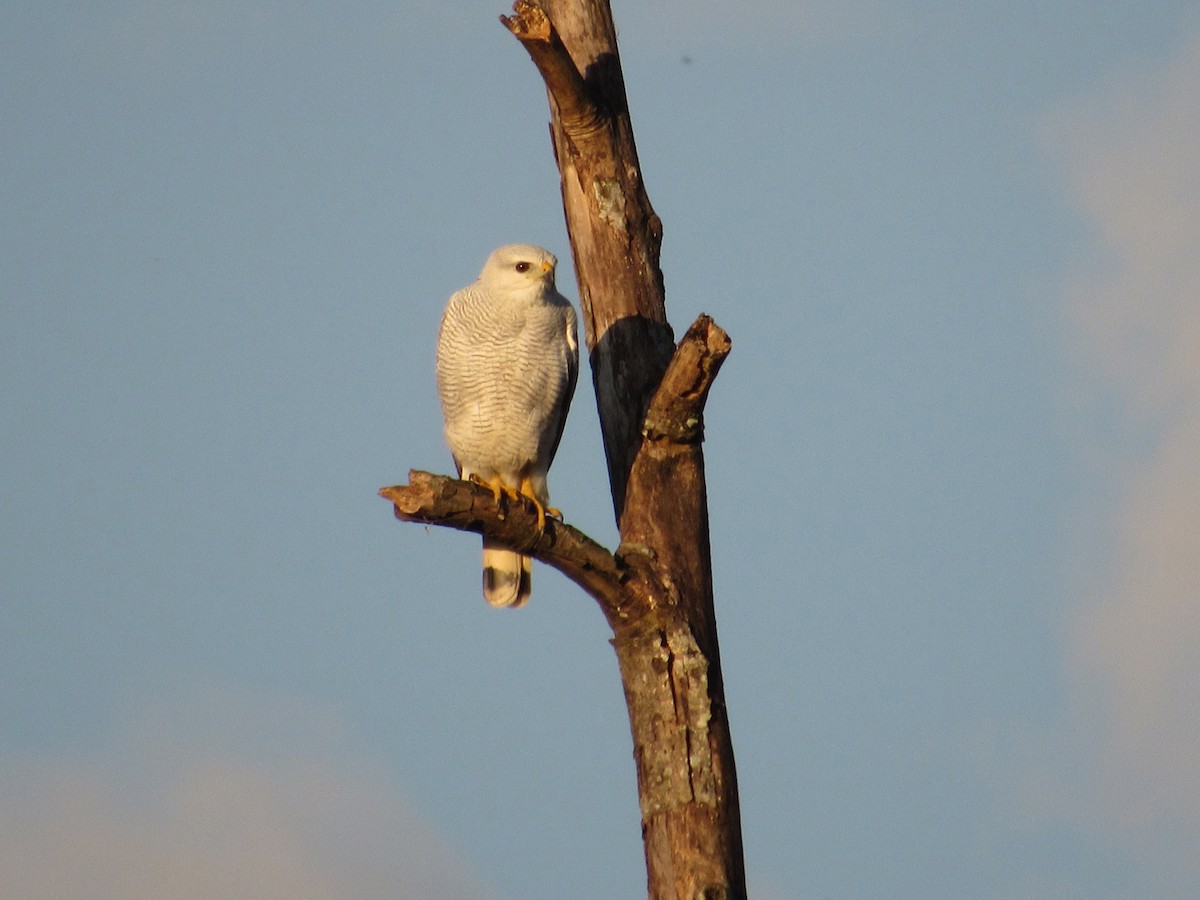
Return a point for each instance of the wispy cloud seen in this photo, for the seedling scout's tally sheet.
(1133, 313)
(223, 796)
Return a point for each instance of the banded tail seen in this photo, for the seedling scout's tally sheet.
(506, 576)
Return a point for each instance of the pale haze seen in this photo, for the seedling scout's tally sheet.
(953, 459)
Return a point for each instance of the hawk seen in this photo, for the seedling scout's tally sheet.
(507, 363)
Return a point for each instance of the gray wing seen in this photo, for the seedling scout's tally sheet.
(564, 404)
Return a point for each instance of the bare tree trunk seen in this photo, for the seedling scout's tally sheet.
(656, 590)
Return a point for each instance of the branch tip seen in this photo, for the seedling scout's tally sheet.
(676, 410)
(531, 25)
(529, 22)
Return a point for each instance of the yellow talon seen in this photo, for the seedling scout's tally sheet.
(500, 488)
(501, 492)
(528, 494)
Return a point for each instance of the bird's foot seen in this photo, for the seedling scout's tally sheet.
(542, 510)
(501, 492)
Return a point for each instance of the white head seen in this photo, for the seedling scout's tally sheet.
(520, 270)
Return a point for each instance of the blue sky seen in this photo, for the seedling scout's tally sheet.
(953, 476)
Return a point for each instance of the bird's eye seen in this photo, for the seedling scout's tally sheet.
(522, 267)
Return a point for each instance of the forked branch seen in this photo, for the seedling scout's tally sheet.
(624, 593)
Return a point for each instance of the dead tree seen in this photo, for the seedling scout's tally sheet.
(656, 589)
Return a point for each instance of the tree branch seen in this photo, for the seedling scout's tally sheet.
(676, 411)
(467, 506)
(532, 27)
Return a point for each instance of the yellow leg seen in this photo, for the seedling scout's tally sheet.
(542, 511)
(498, 487)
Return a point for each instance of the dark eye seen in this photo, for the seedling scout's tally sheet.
(522, 267)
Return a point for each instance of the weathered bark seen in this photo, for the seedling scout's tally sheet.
(652, 427)
(656, 589)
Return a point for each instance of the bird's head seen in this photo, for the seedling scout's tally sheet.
(519, 270)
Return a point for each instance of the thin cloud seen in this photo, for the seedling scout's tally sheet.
(224, 797)
(1133, 161)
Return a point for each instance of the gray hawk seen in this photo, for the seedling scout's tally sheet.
(507, 363)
